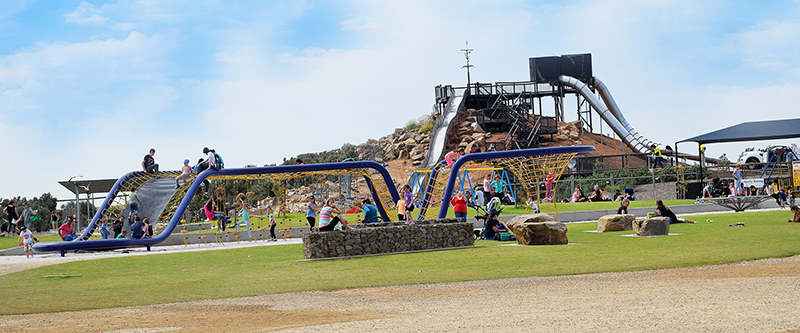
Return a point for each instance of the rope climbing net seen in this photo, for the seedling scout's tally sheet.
(531, 172)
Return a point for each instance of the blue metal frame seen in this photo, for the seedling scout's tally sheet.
(131, 242)
(502, 154)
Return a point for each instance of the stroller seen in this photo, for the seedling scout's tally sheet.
(494, 206)
(630, 194)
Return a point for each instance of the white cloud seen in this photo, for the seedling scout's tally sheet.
(360, 23)
(770, 44)
(86, 13)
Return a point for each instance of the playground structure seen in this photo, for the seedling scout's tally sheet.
(525, 163)
(173, 210)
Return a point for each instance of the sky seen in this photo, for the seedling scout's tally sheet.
(88, 87)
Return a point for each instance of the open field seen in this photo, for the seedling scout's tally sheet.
(194, 276)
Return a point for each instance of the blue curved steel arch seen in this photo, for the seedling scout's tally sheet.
(501, 154)
(99, 244)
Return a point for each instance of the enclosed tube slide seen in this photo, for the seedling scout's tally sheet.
(614, 108)
(451, 182)
(628, 136)
(100, 244)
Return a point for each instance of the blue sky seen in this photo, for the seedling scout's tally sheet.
(87, 87)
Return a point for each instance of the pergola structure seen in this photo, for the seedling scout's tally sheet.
(749, 131)
(88, 187)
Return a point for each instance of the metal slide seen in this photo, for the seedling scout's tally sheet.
(442, 127)
(610, 113)
(100, 244)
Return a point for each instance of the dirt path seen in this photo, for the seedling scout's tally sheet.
(757, 296)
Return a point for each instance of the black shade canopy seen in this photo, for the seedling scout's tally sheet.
(752, 131)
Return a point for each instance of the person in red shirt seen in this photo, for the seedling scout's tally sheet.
(66, 230)
(459, 203)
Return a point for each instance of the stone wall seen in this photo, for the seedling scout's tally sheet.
(388, 237)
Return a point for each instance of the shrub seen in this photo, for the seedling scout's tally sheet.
(427, 127)
(410, 125)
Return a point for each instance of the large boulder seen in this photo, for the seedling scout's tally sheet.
(615, 223)
(655, 226)
(538, 229)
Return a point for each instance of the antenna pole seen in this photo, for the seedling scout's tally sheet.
(467, 51)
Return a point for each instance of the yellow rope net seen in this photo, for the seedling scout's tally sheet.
(378, 183)
(133, 184)
(531, 172)
(139, 179)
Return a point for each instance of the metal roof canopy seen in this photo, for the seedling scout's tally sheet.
(89, 186)
(752, 131)
(749, 131)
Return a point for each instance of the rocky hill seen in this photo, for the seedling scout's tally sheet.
(411, 143)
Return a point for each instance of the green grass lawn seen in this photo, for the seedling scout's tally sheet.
(9, 242)
(178, 277)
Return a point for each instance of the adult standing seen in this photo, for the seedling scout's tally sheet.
(311, 214)
(25, 217)
(11, 217)
(487, 188)
(149, 164)
(737, 178)
(459, 203)
(54, 220)
(499, 187)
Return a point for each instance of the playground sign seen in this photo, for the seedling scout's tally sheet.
(757, 182)
(796, 172)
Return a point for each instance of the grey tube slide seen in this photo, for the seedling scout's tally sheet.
(630, 137)
(614, 108)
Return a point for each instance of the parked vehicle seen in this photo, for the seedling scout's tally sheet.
(757, 159)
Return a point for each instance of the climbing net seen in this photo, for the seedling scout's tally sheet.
(377, 183)
(133, 183)
(531, 172)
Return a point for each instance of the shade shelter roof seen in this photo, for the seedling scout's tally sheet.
(752, 131)
(89, 186)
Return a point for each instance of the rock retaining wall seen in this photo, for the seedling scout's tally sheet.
(388, 237)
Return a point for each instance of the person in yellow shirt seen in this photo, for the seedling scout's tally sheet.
(401, 210)
(659, 161)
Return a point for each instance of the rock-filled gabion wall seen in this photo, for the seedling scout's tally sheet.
(388, 237)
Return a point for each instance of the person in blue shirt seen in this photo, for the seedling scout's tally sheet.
(498, 187)
(136, 229)
(494, 227)
(370, 212)
(104, 229)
